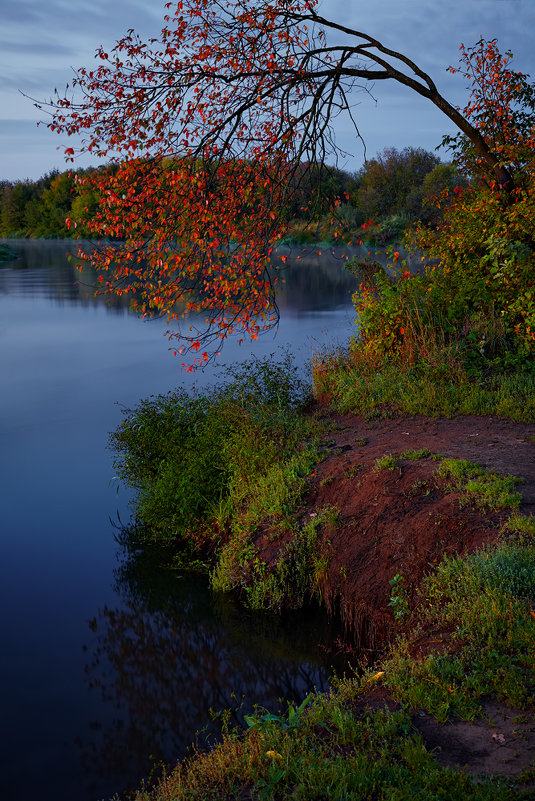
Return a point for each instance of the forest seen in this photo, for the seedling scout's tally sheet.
(394, 189)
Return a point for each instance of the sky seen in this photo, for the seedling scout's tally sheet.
(42, 41)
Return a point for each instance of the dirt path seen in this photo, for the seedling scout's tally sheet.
(497, 444)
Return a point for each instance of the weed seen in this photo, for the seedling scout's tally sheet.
(352, 471)
(488, 490)
(399, 599)
(287, 722)
(386, 462)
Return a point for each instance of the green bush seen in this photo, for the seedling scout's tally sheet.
(194, 460)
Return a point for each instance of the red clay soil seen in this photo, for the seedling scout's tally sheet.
(402, 521)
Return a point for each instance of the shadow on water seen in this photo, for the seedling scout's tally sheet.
(173, 654)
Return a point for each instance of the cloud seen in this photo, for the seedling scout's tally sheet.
(42, 40)
(36, 48)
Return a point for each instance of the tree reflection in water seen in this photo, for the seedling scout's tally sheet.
(173, 652)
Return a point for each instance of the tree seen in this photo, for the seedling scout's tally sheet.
(210, 125)
(390, 182)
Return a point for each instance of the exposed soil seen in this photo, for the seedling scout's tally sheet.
(402, 521)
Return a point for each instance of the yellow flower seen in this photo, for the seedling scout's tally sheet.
(273, 755)
(377, 676)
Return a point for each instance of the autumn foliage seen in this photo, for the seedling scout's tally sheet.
(478, 292)
(212, 127)
(205, 129)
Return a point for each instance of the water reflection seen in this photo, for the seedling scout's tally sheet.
(311, 279)
(67, 361)
(49, 269)
(172, 653)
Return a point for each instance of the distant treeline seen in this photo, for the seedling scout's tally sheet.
(392, 189)
(38, 209)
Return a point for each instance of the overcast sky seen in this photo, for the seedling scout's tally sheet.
(42, 40)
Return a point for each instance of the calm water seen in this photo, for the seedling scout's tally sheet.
(104, 662)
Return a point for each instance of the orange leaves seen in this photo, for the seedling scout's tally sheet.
(500, 107)
(200, 236)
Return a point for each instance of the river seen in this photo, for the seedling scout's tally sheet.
(109, 665)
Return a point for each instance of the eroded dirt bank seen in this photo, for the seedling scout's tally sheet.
(403, 520)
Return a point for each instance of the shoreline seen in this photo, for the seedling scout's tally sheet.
(390, 463)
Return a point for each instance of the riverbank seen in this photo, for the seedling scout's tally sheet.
(428, 560)
(402, 499)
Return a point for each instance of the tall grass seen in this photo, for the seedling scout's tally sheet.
(196, 462)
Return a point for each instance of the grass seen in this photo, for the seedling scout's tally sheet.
(388, 388)
(214, 472)
(289, 580)
(331, 746)
(485, 599)
(486, 489)
(206, 464)
(328, 755)
(328, 750)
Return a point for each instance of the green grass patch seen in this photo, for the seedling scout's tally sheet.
(322, 752)
(203, 465)
(486, 598)
(488, 490)
(386, 462)
(387, 389)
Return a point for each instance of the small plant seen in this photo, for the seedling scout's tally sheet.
(419, 484)
(414, 455)
(287, 722)
(386, 462)
(352, 471)
(399, 599)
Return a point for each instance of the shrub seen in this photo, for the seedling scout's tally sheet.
(194, 460)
